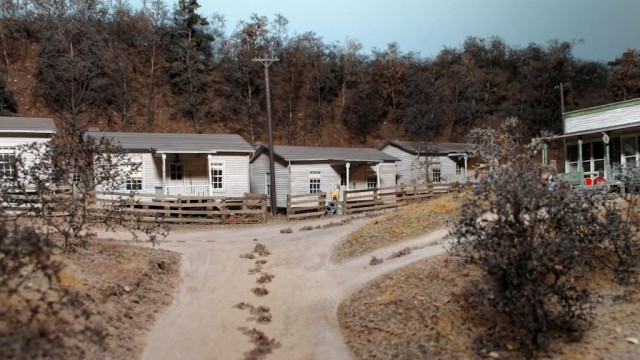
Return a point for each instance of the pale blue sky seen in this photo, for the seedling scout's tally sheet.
(607, 28)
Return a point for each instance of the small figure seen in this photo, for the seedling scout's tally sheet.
(599, 180)
(588, 181)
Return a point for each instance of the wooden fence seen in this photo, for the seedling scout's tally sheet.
(355, 201)
(306, 205)
(249, 208)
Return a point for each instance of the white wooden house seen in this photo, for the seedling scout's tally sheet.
(16, 131)
(306, 169)
(436, 162)
(602, 139)
(186, 164)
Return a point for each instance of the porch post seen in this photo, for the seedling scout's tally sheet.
(545, 155)
(466, 157)
(580, 156)
(607, 157)
(347, 166)
(209, 174)
(378, 176)
(164, 174)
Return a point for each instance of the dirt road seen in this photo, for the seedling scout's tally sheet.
(303, 297)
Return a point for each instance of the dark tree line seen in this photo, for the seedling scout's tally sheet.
(151, 68)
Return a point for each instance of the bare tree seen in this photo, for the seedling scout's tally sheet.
(55, 184)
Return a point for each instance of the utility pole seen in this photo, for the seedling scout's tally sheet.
(561, 86)
(266, 62)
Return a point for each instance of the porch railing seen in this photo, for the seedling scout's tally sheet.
(574, 178)
(188, 190)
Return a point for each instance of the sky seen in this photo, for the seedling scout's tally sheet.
(602, 29)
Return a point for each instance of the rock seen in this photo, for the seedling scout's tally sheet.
(633, 340)
(127, 288)
(494, 355)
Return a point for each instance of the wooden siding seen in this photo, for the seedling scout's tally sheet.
(235, 172)
(596, 120)
(409, 172)
(12, 141)
(406, 167)
(260, 167)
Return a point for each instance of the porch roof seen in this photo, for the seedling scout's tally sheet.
(321, 153)
(178, 143)
(416, 147)
(27, 125)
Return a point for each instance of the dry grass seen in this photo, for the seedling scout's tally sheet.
(406, 223)
(417, 312)
(117, 290)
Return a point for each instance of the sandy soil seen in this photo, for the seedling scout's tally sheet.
(202, 322)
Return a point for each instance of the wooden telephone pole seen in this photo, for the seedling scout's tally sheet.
(266, 62)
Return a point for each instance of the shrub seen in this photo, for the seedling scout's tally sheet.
(532, 242)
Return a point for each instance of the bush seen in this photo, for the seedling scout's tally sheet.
(532, 242)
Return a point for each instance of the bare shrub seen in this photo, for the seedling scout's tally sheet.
(55, 185)
(39, 317)
(399, 253)
(263, 344)
(265, 278)
(260, 291)
(533, 244)
(261, 250)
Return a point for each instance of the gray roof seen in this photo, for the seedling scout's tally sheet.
(321, 153)
(27, 125)
(416, 147)
(178, 143)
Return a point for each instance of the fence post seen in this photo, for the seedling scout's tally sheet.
(131, 200)
(179, 207)
(263, 200)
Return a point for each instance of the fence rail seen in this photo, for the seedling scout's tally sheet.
(249, 208)
(356, 201)
(306, 205)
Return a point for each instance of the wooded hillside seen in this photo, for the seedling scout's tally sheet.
(167, 68)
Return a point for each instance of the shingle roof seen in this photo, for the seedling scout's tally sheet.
(321, 153)
(178, 143)
(27, 125)
(416, 147)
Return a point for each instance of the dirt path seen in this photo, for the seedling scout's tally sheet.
(303, 297)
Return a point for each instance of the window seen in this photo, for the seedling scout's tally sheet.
(217, 176)
(177, 172)
(134, 175)
(372, 179)
(314, 182)
(629, 151)
(7, 157)
(459, 169)
(267, 184)
(343, 178)
(436, 175)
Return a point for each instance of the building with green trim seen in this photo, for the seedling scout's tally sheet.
(602, 139)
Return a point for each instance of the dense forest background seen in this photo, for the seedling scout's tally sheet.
(167, 68)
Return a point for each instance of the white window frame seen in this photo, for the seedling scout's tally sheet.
(438, 178)
(136, 159)
(267, 184)
(313, 187)
(459, 169)
(592, 161)
(371, 179)
(171, 172)
(624, 156)
(223, 177)
(7, 156)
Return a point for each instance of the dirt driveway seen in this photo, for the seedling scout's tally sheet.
(202, 322)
